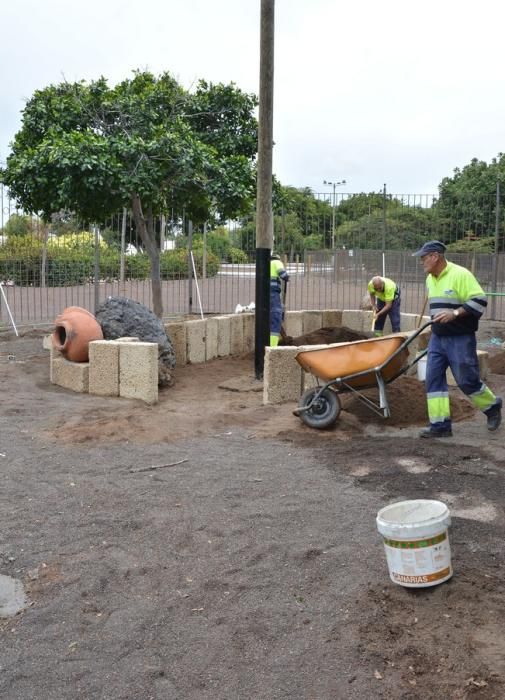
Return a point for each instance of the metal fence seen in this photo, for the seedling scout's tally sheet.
(324, 280)
(44, 269)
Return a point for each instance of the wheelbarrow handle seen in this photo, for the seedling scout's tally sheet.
(402, 347)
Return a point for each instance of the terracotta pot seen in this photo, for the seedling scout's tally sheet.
(74, 329)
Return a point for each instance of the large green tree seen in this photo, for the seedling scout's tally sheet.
(466, 206)
(373, 221)
(146, 143)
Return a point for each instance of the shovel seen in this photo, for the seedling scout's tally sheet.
(422, 312)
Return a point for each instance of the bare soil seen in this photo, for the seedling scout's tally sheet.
(213, 547)
(324, 336)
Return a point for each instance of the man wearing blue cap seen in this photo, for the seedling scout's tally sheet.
(456, 304)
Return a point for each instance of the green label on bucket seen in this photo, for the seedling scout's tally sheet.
(416, 544)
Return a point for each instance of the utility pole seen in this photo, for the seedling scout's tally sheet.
(384, 224)
(264, 217)
(494, 283)
(334, 204)
(190, 267)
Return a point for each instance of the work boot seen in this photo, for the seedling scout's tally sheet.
(494, 417)
(431, 433)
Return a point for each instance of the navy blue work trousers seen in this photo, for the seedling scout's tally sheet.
(393, 313)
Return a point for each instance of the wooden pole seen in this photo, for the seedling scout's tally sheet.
(422, 312)
(264, 217)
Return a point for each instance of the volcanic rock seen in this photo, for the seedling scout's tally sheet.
(120, 317)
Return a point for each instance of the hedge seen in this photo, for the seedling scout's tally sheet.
(21, 262)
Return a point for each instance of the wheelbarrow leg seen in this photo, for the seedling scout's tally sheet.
(383, 399)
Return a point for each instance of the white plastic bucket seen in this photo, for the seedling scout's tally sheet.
(416, 541)
(421, 368)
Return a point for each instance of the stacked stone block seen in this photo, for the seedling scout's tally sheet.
(138, 371)
(177, 333)
(211, 336)
(104, 368)
(282, 375)
(69, 375)
(195, 340)
(123, 367)
(249, 331)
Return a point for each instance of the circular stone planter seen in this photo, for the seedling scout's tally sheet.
(74, 329)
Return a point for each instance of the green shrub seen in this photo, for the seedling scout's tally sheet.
(18, 225)
(137, 267)
(21, 261)
(236, 256)
(65, 271)
(174, 264)
(81, 241)
(485, 244)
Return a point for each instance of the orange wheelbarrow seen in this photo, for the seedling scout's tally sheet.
(353, 367)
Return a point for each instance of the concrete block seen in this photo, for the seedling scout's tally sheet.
(223, 336)
(332, 318)
(355, 320)
(127, 339)
(282, 375)
(138, 371)
(176, 332)
(408, 322)
(293, 323)
(312, 321)
(236, 334)
(211, 336)
(483, 358)
(195, 341)
(47, 342)
(249, 321)
(69, 375)
(104, 367)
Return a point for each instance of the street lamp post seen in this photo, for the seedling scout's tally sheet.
(334, 185)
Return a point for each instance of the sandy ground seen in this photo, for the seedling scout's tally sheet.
(212, 547)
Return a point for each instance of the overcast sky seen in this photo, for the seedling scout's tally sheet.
(392, 92)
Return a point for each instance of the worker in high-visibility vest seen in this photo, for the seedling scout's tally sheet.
(278, 276)
(385, 300)
(456, 304)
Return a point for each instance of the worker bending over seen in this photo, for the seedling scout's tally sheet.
(385, 300)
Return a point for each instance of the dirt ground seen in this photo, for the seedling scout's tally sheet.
(212, 547)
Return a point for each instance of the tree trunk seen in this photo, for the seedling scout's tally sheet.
(145, 228)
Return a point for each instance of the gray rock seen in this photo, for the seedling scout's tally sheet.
(12, 596)
(121, 317)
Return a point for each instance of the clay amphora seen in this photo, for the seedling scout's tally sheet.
(74, 329)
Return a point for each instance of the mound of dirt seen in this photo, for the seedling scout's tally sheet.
(497, 363)
(407, 403)
(325, 336)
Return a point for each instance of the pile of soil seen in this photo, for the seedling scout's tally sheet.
(407, 403)
(324, 336)
(497, 363)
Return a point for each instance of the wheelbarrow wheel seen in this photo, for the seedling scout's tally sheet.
(325, 410)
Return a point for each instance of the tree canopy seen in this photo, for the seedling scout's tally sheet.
(146, 143)
(466, 205)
